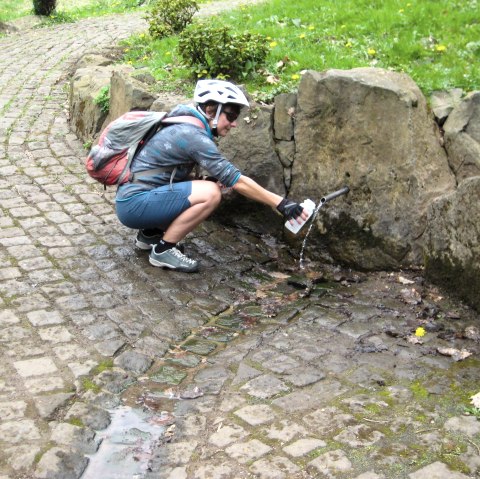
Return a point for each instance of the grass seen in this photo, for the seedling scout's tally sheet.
(67, 10)
(436, 42)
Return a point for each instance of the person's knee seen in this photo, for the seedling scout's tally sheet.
(214, 194)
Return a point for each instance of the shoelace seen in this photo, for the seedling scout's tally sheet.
(182, 257)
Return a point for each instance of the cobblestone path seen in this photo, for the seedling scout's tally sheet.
(250, 370)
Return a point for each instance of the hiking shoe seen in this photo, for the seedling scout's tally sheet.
(174, 259)
(147, 242)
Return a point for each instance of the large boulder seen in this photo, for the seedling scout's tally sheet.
(369, 129)
(462, 137)
(127, 93)
(251, 148)
(86, 115)
(452, 246)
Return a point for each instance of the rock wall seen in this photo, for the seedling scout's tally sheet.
(452, 246)
(367, 128)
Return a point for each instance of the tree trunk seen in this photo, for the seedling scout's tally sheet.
(44, 7)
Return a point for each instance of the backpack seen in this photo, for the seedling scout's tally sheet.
(109, 161)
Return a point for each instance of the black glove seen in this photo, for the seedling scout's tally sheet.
(210, 178)
(289, 209)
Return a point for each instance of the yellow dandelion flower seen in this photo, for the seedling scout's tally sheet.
(311, 27)
(348, 44)
(401, 10)
(440, 48)
(295, 76)
(372, 52)
(273, 44)
(302, 35)
(420, 332)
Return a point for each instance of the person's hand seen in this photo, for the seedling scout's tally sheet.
(291, 210)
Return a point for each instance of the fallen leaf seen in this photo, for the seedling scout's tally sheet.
(414, 340)
(475, 400)
(473, 333)
(456, 354)
(411, 296)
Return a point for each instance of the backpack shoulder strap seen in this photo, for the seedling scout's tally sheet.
(192, 120)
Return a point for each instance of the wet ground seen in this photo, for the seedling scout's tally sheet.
(250, 368)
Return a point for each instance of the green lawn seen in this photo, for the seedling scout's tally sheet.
(436, 42)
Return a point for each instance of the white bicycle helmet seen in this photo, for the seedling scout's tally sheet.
(219, 91)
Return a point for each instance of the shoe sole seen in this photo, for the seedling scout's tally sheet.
(160, 264)
(142, 245)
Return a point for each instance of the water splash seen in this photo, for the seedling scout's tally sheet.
(304, 242)
(323, 200)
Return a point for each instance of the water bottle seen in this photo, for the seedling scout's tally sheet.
(309, 206)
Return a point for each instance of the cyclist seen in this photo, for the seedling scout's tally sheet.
(167, 206)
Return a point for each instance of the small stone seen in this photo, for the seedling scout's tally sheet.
(303, 446)
(35, 367)
(276, 467)
(359, 436)
(248, 451)
(256, 414)
(285, 431)
(43, 317)
(134, 362)
(12, 410)
(332, 463)
(264, 387)
(47, 405)
(468, 425)
(58, 462)
(226, 435)
(437, 470)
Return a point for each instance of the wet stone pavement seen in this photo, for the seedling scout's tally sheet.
(251, 368)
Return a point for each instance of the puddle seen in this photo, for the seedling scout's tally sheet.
(127, 445)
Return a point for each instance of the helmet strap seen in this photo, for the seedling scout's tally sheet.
(215, 120)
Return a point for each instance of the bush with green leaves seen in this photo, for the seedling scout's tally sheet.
(211, 51)
(44, 7)
(168, 17)
(103, 99)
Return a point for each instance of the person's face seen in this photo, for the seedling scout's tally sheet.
(227, 119)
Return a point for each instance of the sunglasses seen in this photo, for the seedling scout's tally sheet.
(231, 115)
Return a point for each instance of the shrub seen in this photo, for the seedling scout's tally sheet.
(215, 52)
(103, 99)
(44, 7)
(168, 17)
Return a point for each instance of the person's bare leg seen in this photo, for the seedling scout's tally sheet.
(204, 198)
